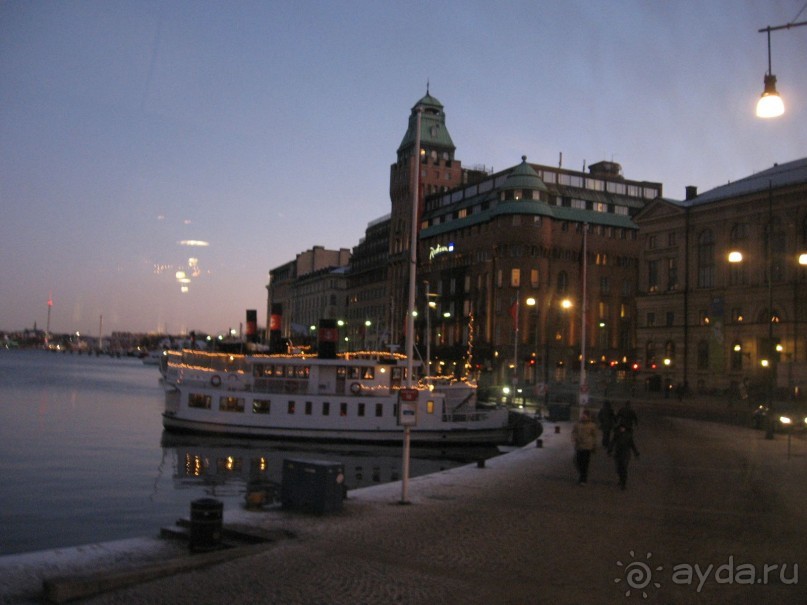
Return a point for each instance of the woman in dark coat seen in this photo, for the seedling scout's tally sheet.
(606, 418)
(621, 448)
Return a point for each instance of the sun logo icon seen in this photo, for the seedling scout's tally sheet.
(638, 575)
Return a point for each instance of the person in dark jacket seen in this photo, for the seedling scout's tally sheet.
(621, 447)
(606, 419)
(627, 417)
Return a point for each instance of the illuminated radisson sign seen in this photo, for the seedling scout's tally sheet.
(437, 250)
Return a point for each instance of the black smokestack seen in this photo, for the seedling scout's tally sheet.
(252, 325)
(275, 321)
(327, 338)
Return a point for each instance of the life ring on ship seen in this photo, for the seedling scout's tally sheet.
(355, 388)
(215, 380)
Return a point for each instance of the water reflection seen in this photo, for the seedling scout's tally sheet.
(226, 466)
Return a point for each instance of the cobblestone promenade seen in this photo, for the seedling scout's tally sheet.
(713, 513)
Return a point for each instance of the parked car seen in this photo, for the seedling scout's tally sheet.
(787, 415)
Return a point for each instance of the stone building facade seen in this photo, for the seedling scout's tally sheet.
(721, 298)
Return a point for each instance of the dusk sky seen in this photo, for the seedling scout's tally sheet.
(133, 131)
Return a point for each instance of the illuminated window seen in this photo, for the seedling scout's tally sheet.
(430, 407)
(196, 400)
(261, 406)
(231, 404)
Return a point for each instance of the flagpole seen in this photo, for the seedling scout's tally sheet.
(515, 348)
(410, 313)
(583, 384)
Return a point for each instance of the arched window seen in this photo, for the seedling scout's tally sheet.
(669, 350)
(738, 243)
(778, 244)
(703, 355)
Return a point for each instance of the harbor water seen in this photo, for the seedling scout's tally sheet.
(84, 458)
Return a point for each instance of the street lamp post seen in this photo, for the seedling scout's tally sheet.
(531, 302)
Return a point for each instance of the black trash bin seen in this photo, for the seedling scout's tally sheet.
(206, 521)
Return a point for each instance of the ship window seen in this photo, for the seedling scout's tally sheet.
(290, 371)
(379, 410)
(341, 371)
(369, 373)
(261, 406)
(302, 371)
(196, 400)
(361, 409)
(343, 409)
(326, 408)
(278, 370)
(430, 407)
(290, 408)
(307, 408)
(355, 373)
(231, 404)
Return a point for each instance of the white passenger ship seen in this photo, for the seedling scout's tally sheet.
(352, 397)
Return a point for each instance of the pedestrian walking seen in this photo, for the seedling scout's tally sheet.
(606, 419)
(626, 416)
(622, 446)
(584, 438)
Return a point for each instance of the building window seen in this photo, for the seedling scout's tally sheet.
(671, 239)
(563, 282)
(650, 354)
(652, 276)
(651, 242)
(672, 274)
(290, 408)
(706, 259)
(737, 357)
(343, 409)
(515, 278)
(703, 355)
(326, 408)
(651, 320)
(379, 409)
(360, 409)
(535, 280)
(307, 408)
(670, 318)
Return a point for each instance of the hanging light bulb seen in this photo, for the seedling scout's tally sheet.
(770, 104)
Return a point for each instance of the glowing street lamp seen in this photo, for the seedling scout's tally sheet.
(770, 104)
